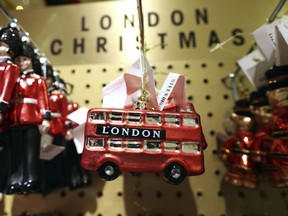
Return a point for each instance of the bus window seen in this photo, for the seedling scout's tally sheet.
(190, 121)
(172, 119)
(94, 143)
(116, 116)
(133, 145)
(171, 146)
(190, 108)
(134, 117)
(115, 144)
(152, 118)
(97, 117)
(191, 147)
(152, 145)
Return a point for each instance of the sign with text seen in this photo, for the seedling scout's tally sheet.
(174, 30)
(120, 131)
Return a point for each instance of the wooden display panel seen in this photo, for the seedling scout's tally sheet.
(148, 194)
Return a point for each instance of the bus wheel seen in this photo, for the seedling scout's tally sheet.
(174, 173)
(109, 171)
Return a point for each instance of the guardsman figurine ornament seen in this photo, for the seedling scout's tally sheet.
(28, 117)
(10, 45)
(235, 149)
(277, 93)
(54, 170)
(77, 176)
(262, 144)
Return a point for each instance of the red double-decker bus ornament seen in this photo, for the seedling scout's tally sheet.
(161, 135)
(132, 140)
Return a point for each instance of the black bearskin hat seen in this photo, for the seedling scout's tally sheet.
(11, 37)
(242, 107)
(27, 50)
(37, 65)
(49, 72)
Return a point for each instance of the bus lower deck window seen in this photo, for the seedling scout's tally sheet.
(191, 147)
(171, 146)
(133, 145)
(152, 145)
(94, 142)
(115, 143)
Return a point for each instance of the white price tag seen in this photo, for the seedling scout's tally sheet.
(48, 150)
(114, 94)
(174, 83)
(124, 91)
(254, 65)
(79, 116)
(265, 37)
(78, 138)
(282, 42)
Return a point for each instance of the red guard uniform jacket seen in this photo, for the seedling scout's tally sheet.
(59, 111)
(29, 104)
(9, 74)
(72, 107)
(236, 146)
(280, 118)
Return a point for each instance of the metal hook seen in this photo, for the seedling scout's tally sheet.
(276, 11)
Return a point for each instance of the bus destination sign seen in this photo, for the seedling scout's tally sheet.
(130, 132)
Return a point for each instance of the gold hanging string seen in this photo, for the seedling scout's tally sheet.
(143, 99)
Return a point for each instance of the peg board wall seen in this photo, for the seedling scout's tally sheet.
(148, 194)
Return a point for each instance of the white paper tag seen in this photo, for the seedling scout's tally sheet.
(79, 116)
(254, 65)
(282, 42)
(48, 151)
(151, 89)
(265, 37)
(114, 94)
(78, 138)
(136, 67)
(126, 89)
(174, 83)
